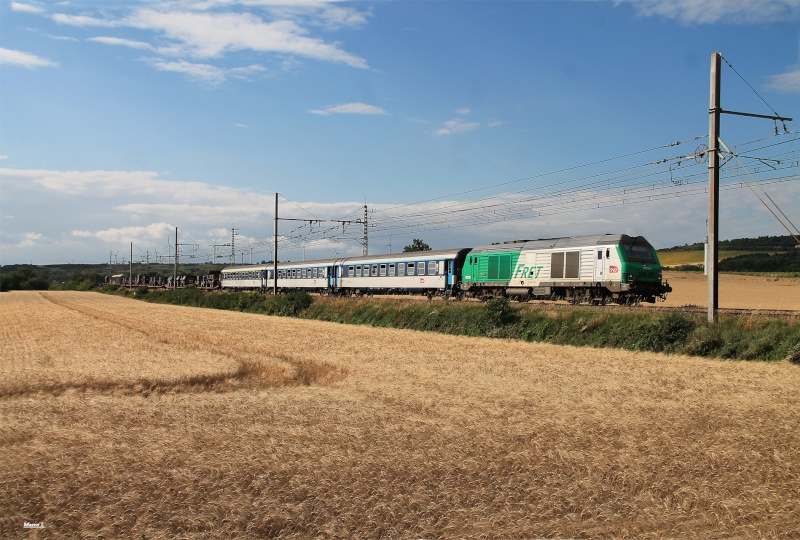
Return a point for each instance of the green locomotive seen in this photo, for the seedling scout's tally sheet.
(608, 268)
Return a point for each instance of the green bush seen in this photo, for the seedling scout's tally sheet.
(499, 312)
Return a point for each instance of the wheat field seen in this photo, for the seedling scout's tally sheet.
(121, 419)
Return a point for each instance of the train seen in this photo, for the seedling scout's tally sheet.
(596, 269)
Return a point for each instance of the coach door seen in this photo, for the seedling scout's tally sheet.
(601, 264)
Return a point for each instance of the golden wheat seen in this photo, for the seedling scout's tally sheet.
(735, 291)
(366, 432)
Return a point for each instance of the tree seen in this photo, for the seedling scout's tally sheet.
(24, 279)
(417, 245)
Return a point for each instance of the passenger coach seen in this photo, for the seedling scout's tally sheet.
(433, 273)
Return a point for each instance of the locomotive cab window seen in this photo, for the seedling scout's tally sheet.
(639, 253)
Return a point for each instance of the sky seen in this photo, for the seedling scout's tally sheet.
(458, 122)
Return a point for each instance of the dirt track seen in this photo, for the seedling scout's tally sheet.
(735, 291)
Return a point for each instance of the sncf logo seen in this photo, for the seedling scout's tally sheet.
(613, 269)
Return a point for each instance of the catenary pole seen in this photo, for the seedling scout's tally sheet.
(714, 112)
(175, 272)
(275, 252)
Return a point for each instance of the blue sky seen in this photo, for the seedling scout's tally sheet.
(458, 122)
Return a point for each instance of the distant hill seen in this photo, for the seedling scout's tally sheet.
(762, 254)
(762, 243)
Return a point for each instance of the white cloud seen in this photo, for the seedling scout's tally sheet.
(144, 192)
(213, 29)
(26, 8)
(245, 72)
(29, 239)
(464, 111)
(242, 208)
(23, 59)
(788, 82)
(62, 38)
(96, 183)
(453, 127)
(713, 11)
(350, 108)
(82, 20)
(210, 35)
(149, 233)
(122, 42)
(201, 72)
(205, 73)
(82, 214)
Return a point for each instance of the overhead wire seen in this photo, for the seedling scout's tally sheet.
(662, 179)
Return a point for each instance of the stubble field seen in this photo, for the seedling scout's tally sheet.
(127, 419)
(736, 291)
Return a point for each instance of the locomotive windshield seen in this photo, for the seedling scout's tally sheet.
(642, 253)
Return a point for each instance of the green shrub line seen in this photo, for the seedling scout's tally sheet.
(675, 332)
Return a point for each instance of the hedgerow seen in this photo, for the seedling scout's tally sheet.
(742, 338)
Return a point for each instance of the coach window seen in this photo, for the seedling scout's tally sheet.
(350, 270)
(401, 269)
(374, 269)
(432, 268)
(383, 269)
(391, 269)
(421, 269)
(410, 269)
